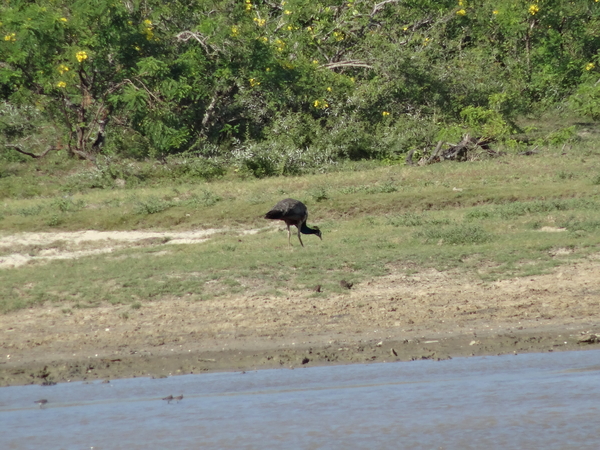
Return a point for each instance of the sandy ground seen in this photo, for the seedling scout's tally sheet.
(429, 315)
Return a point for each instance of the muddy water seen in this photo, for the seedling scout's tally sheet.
(549, 401)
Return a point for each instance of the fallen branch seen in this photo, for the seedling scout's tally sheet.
(468, 149)
(33, 155)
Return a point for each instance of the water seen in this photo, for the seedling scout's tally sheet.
(531, 401)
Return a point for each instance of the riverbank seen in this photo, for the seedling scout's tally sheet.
(428, 315)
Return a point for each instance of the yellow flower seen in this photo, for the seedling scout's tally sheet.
(81, 56)
(61, 84)
(495, 11)
(385, 113)
(317, 103)
(260, 22)
(315, 61)
(405, 28)
(533, 9)
(590, 66)
(328, 89)
(268, 69)
(235, 30)
(287, 12)
(253, 82)
(63, 19)
(62, 69)
(11, 37)
(148, 22)
(461, 12)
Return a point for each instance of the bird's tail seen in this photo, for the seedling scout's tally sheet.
(274, 214)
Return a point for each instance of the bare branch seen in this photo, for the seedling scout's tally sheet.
(33, 155)
(379, 6)
(127, 80)
(185, 36)
(209, 110)
(348, 63)
(273, 5)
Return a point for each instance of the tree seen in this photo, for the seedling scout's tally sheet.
(73, 60)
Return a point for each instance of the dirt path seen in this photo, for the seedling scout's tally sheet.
(429, 315)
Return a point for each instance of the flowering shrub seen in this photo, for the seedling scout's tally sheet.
(186, 76)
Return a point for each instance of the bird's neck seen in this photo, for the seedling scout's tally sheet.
(305, 229)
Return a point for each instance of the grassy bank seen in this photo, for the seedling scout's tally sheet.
(511, 216)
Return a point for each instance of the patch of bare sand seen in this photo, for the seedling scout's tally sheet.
(398, 317)
(17, 250)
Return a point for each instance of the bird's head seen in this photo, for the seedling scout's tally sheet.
(318, 232)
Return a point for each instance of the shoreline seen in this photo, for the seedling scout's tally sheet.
(164, 362)
(399, 317)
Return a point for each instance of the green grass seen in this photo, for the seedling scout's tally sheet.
(482, 218)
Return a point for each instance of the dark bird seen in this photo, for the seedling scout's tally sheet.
(168, 399)
(41, 402)
(178, 398)
(293, 212)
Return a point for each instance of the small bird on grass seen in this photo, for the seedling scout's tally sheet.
(293, 212)
(41, 402)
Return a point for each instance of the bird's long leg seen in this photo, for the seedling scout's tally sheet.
(289, 235)
(299, 238)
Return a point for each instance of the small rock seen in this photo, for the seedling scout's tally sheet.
(346, 285)
(41, 402)
(587, 339)
(379, 344)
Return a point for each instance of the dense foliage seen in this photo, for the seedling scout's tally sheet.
(277, 85)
